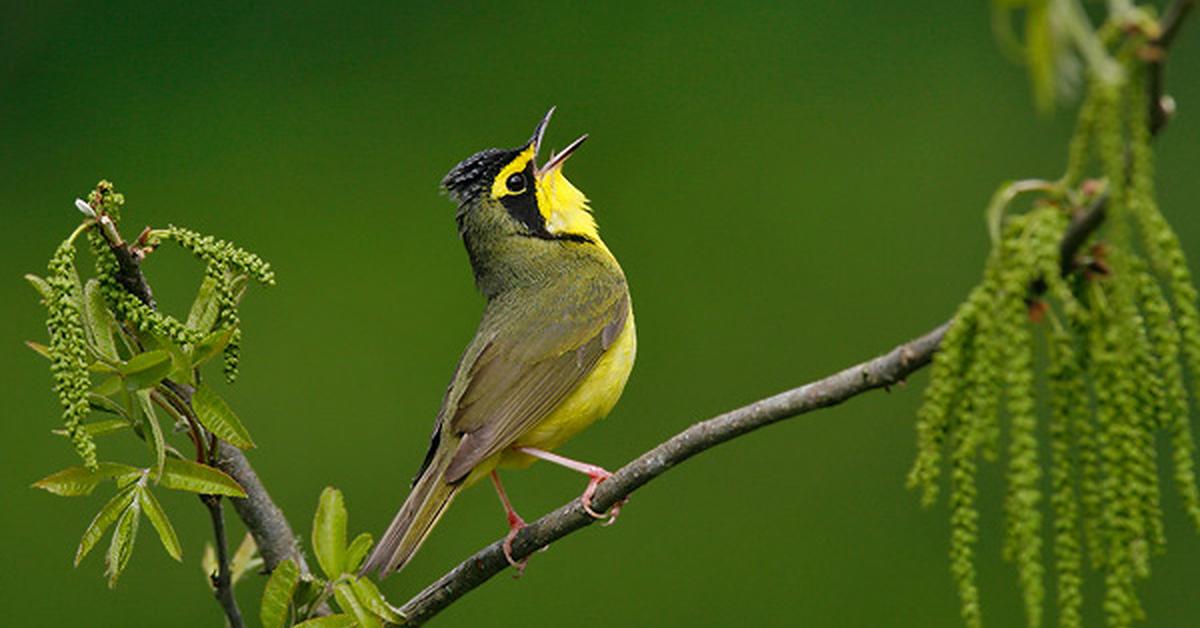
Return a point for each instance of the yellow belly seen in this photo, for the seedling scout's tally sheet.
(589, 402)
(592, 400)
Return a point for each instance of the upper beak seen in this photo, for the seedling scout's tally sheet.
(556, 160)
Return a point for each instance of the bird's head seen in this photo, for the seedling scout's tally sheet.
(503, 193)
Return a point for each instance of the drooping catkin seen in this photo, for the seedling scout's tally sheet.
(68, 349)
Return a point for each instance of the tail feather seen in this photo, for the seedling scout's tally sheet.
(421, 511)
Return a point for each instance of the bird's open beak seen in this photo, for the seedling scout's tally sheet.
(556, 160)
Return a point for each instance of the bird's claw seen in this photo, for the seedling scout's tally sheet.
(597, 476)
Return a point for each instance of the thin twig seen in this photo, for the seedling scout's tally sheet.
(880, 372)
(222, 581)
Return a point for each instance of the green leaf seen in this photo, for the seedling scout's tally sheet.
(121, 547)
(158, 446)
(181, 364)
(98, 428)
(99, 321)
(39, 284)
(205, 308)
(76, 481)
(358, 551)
(108, 387)
(185, 475)
(245, 559)
(370, 597)
(349, 602)
(146, 370)
(218, 418)
(329, 621)
(39, 348)
(158, 518)
(211, 346)
(101, 522)
(329, 532)
(277, 597)
(104, 404)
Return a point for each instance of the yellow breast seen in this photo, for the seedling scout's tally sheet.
(590, 401)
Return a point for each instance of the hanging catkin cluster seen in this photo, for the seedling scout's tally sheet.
(227, 266)
(73, 350)
(1121, 329)
(68, 348)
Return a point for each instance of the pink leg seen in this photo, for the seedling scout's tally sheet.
(595, 474)
(515, 523)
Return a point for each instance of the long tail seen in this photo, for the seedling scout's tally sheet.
(421, 511)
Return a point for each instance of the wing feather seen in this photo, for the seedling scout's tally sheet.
(520, 376)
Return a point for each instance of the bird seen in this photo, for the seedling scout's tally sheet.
(553, 350)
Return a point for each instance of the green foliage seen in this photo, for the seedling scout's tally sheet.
(1120, 331)
(146, 361)
(360, 601)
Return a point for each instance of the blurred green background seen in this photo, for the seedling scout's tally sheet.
(790, 189)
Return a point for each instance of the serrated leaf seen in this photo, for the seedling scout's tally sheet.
(358, 551)
(158, 446)
(76, 481)
(101, 522)
(329, 532)
(39, 284)
(158, 518)
(217, 417)
(204, 308)
(245, 559)
(146, 370)
(277, 596)
(99, 320)
(348, 601)
(98, 428)
(185, 475)
(39, 348)
(121, 547)
(211, 346)
(369, 596)
(339, 620)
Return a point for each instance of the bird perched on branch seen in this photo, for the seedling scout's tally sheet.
(551, 355)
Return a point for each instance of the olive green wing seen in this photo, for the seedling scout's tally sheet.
(525, 363)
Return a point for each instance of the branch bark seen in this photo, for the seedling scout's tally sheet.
(880, 372)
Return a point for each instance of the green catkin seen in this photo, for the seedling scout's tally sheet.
(933, 418)
(1117, 360)
(1077, 151)
(1166, 256)
(1119, 521)
(68, 350)
(1068, 397)
(224, 263)
(128, 307)
(964, 524)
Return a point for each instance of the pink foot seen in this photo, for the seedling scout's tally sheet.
(515, 524)
(595, 474)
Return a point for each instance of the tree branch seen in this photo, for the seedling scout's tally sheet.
(880, 372)
(222, 581)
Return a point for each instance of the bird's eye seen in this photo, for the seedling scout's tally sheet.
(516, 183)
